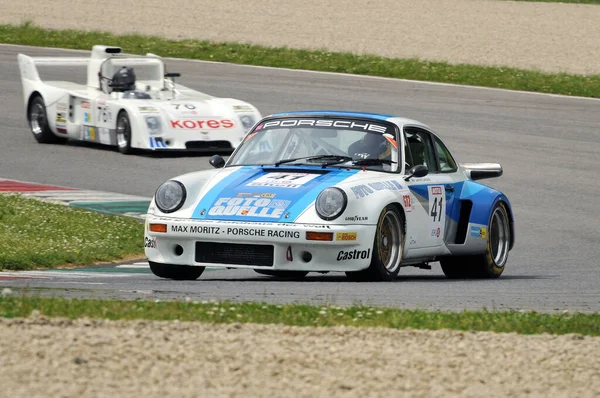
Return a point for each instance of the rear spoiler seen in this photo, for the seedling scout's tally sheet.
(480, 171)
(28, 65)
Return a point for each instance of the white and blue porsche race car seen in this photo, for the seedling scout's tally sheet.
(323, 191)
(130, 102)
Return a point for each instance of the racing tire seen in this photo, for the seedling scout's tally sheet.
(388, 249)
(176, 272)
(492, 262)
(124, 133)
(38, 122)
(283, 274)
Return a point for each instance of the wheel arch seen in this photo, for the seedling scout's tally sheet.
(400, 209)
(34, 94)
(483, 199)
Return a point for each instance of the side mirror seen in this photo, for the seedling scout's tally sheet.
(417, 171)
(217, 161)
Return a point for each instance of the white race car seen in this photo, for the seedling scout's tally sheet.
(328, 191)
(129, 101)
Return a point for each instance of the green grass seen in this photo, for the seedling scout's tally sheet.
(499, 77)
(37, 234)
(301, 315)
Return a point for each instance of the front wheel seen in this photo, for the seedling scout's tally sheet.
(177, 272)
(124, 133)
(388, 248)
(492, 262)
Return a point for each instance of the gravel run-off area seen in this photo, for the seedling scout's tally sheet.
(58, 357)
(554, 37)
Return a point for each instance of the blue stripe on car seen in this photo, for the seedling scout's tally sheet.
(297, 199)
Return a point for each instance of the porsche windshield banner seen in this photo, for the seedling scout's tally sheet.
(338, 124)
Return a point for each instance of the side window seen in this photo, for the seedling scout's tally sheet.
(421, 149)
(447, 163)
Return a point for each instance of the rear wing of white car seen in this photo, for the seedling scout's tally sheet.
(28, 65)
(480, 171)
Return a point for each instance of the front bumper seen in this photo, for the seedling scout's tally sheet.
(272, 246)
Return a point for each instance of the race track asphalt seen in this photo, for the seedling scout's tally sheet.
(549, 147)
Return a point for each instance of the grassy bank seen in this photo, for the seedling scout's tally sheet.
(414, 69)
(301, 315)
(37, 234)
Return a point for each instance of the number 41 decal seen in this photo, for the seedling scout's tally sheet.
(437, 209)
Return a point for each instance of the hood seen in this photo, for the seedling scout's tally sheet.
(270, 194)
(201, 115)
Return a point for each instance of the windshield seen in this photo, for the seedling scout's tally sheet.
(334, 142)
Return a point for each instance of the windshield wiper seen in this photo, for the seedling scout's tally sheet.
(337, 158)
(372, 162)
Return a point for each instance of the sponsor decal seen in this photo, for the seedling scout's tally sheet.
(61, 123)
(85, 104)
(147, 109)
(407, 203)
(235, 231)
(242, 108)
(249, 207)
(363, 190)
(150, 242)
(87, 117)
(267, 195)
(61, 106)
(354, 255)
(288, 254)
(435, 232)
(326, 123)
(479, 232)
(436, 191)
(313, 226)
(189, 124)
(283, 180)
(345, 236)
(89, 133)
(357, 218)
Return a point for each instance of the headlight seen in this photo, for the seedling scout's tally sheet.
(330, 203)
(170, 196)
(154, 126)
(247, 122)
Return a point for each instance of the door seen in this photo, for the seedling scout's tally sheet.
(435, 193)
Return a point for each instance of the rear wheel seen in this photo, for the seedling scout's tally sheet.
(124, 133)
(38, 122)
(177, 272)
(388, 248)
(283, 274)
(491, 263)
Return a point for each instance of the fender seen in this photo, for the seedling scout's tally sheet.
(483, 198)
